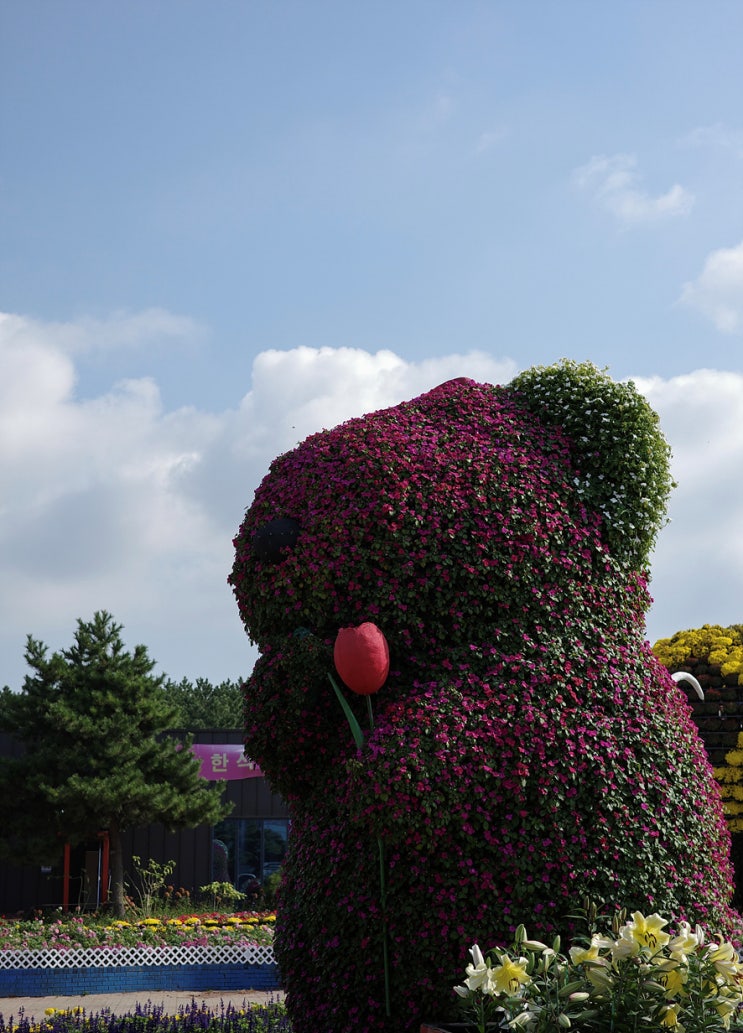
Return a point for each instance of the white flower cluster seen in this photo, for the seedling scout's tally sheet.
(644, 974)
(621, 455)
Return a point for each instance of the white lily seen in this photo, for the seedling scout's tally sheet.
(685, 942)
(477, 972)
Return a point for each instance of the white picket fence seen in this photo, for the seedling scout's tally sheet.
(94, 957)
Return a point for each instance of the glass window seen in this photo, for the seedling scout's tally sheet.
(274, 846)
(246, 851)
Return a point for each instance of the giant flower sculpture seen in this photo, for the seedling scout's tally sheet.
(527, 749)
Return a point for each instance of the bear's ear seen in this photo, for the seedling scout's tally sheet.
(621, 454)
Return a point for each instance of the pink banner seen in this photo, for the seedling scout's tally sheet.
(226, 761)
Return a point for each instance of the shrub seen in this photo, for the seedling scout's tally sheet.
(222, 894)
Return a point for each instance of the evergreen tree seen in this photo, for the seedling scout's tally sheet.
(91, 719)
(203, 705)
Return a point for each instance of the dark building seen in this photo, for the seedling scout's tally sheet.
(244, 849)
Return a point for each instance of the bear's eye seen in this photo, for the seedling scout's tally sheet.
(272, 541)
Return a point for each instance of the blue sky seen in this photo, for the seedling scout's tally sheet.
(226, 225)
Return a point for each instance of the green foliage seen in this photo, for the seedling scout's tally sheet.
(151, 880)
(92, 719)
(617, 445)
(222, 894)
(203, 705)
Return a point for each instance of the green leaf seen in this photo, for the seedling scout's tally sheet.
(358, 735)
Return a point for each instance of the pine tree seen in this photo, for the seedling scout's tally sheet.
(92, 719)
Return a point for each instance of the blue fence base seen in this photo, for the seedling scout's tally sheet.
(63, 982)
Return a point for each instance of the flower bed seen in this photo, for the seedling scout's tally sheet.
(71, 955)
(259, 1018)
(206, 930)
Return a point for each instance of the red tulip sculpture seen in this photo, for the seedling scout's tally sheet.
(362, 659)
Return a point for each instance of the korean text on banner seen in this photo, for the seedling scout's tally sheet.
(225, 762)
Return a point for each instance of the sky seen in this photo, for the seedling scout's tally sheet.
(226, 225)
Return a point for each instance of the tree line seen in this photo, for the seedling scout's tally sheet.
(200, 704)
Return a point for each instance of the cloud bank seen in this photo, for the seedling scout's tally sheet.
(116, 503)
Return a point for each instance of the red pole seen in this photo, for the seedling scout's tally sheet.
(104, 867)
(66, 879)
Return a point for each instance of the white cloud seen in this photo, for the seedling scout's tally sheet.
(698, 561)
(616, 185)
(718, 290)
(114, 503)
(321, 387)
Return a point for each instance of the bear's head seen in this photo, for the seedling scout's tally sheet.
(459, 522)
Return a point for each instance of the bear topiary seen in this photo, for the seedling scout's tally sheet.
(527, 749)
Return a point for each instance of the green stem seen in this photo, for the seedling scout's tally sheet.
(358, 738)
(383, 902)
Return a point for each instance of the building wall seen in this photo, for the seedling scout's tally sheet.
(29, 887)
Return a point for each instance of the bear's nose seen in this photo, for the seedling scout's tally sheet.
(272, 541)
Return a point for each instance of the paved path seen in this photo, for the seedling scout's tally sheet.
(171, 1001)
